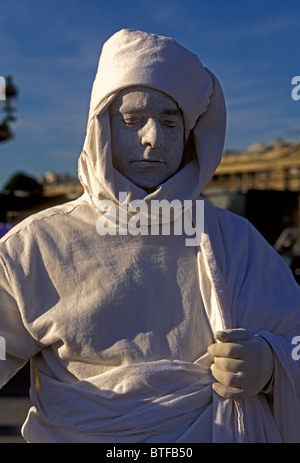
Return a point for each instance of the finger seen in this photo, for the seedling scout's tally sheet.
(227, 378)
(238, 334)
(229, 392)
(227, 349)
(229, 364)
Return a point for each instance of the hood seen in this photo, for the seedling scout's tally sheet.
(136, 58)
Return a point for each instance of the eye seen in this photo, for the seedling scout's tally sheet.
(169, 123)
(129, 121)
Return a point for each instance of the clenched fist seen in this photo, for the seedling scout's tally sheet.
(242, 363)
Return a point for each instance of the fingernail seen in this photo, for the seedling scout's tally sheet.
(221, 334)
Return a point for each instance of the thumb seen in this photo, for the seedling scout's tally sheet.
(238, 334)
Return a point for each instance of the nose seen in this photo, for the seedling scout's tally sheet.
(152, 134)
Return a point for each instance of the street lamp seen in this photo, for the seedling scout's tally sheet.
(9, 106)
(5, 132)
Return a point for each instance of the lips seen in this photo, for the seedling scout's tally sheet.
(149, 161)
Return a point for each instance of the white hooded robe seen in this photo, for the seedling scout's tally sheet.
(117, 327)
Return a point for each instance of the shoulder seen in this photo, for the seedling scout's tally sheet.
(47, 239)
(52, 217)
(49, 233)
(226, 226)
(236, 243)
(236, 231)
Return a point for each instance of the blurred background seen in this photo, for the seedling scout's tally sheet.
(49, 54)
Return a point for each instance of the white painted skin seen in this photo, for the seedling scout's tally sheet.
(147, 133)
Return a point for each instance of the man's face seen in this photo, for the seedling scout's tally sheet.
(147, 133)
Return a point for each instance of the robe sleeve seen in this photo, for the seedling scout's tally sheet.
(18, 346)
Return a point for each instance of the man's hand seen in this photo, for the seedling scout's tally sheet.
(243, 363)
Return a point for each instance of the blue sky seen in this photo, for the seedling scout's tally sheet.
(52, 47)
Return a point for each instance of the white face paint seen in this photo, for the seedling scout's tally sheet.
(147, 133)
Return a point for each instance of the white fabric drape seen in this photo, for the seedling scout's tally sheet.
(117, 327)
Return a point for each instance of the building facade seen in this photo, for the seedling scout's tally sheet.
(274, 167)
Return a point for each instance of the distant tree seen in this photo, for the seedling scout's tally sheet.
(23, 182)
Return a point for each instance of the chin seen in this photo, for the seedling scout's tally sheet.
(148, 188)
(149, 185)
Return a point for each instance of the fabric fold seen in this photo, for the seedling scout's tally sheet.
(150, 399)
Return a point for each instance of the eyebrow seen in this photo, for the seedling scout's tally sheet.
(133, 110)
